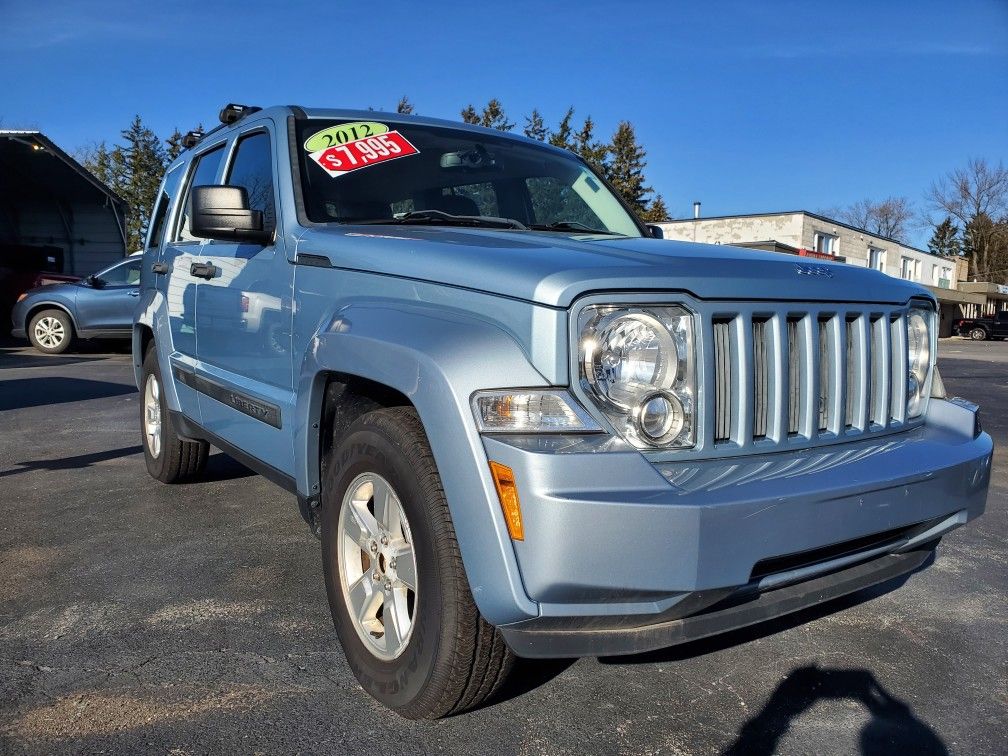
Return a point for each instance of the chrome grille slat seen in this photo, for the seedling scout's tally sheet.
(813, 375)
(761, 378)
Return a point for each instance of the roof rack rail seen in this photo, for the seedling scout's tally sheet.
(233, 112)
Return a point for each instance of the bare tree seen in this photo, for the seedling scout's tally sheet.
(977, 196)
(889, 218)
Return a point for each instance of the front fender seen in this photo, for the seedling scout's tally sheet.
(437, 358)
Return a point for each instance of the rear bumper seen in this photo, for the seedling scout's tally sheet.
(737, 609)
(616, 546)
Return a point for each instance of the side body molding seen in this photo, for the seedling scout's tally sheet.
(437, 358)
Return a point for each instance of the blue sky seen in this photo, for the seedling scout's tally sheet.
(747, 106)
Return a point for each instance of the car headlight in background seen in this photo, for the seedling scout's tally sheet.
(530, 411)
(637, 365)
(920, 360)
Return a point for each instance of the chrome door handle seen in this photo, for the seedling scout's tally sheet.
(135, 293)
(160, 268)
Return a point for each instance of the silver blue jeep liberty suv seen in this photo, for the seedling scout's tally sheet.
(519, 424)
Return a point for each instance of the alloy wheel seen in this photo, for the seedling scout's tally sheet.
(49, 332)
(377, 565)
(152, 415)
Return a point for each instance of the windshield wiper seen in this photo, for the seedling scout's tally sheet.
(439, 217)
(571, 226)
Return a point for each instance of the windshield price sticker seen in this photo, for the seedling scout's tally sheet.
(361, 153)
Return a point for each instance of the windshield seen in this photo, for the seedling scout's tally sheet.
(387, 172)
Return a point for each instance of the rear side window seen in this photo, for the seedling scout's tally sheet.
(204, 174)
(252, 168)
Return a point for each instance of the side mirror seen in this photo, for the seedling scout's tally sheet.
(655, 231)
(94, 282)
(222, 212)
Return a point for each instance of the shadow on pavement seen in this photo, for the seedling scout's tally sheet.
(72, 463)
(221, 467)
(21, 393)
(893, 727)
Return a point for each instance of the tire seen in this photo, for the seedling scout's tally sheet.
(978, 334)
(450, 659)
(51, 331)
(169, 458)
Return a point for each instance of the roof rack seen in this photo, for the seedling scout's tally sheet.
(192, 138)
(232, 112)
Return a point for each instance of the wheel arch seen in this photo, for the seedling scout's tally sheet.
(432, 360)
(35, 309)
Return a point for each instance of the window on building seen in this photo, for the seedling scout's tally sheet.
(824, 243)
(876, 258)
(906, 268)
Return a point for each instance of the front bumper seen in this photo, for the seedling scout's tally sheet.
(616, 547)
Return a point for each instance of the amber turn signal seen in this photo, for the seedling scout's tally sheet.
(507, 493)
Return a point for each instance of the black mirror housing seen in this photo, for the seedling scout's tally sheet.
(656, 232)
(222, 212)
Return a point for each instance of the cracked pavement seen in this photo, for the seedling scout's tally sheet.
(192, 619)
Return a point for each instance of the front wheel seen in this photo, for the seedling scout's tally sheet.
(51, 331)
(397, 589)
(978, 334)
(169, 458)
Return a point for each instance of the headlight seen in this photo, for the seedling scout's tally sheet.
(637, 365)
(920, 323)
(530, 411)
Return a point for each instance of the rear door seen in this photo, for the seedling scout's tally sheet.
(107, 306)
(243, 316)
(180, 250)
(1001, 324)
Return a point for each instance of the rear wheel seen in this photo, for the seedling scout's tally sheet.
(978, 334)
(51, 331)
(169, 458)
(397, 589)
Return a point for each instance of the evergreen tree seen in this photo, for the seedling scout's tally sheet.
(595, 153)
(535, 126)
(562, 137)
(493, 116)
(626, 169)
(405, 106)
(470, 115)
(173, 146)
(657, 212)
(945, 240)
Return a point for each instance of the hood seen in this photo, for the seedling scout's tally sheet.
(554, 269)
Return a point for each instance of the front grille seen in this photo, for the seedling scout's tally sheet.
(806, 375)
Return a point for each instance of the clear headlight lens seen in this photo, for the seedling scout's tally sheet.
(530, 411)
(637, 364)
(920, 323)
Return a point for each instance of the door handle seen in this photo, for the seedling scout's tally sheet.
(160, 268)
(135, 293)
(203, 270)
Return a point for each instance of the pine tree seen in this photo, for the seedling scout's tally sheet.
(595, 153)
(492, 117)
(173, 146)
(535, 126)
(143, 162)
(626, 169)
(405, 106)
(657, 212)
(945, 240)
(470, 115)
(562, 137)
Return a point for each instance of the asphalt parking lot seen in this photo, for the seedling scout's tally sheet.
(193, 619)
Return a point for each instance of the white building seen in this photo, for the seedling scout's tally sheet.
(806, 234)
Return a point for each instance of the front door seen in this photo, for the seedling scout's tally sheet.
(106, 304)
(180, 250)
(243, 315)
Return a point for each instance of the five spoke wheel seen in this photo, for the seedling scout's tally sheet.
(378, 572)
